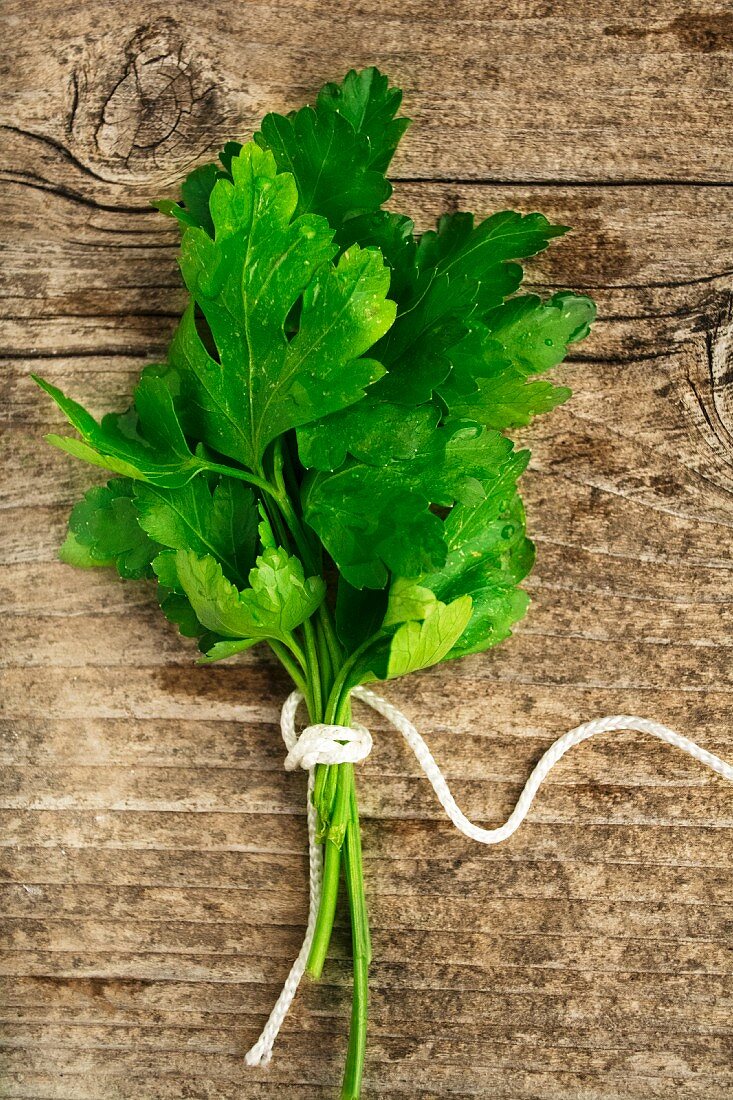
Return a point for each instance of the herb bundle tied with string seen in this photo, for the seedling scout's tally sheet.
(321, 463)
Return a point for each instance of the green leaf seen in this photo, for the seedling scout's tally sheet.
(264, 529)
(74, 552)
(339, 150)
(417, 645)
(377, 519)
(222, 523)
(146, 443)
(374, 432)
(427, 630)
(459, 248)
(522, 338)
(164, 567)
(537, 334)
(408, 602)
(195, 192)
(329, 160)
(393, 235)
(177, 610)
(219, 651)
(417, 350)
(368, 102)
(278, 600)
(104, 530)
(246, 283)
(173, 602)
(488, 555)
(371, 520)
(443, 288)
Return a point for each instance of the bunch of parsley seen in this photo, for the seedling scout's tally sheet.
(321, 464)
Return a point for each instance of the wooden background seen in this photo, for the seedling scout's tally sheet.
(154, 873)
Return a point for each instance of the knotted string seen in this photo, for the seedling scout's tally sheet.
(323, 744)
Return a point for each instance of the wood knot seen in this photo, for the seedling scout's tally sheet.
(146, 109)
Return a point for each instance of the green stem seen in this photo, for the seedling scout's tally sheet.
(361, 948)
(291, 666)
(333, 845)
(357, 866)
(324, 660)
(326, 797)
(314, 695)
(334, 646)
(280, 491)
(332, 808)
(338, 708)
(241, 475)
(329, 650)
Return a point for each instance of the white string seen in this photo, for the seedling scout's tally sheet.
(319, 744)
(261, 1053)
(323, 744)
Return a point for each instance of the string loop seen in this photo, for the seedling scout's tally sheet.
(322, 744)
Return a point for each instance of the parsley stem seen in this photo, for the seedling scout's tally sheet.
(328, 792)
(326, 910)
(330, 802)
(283, 655)
(282, 468)
(324, 660)
(333, 845)
(323, 808)
(361, 949)
(242, 475)
(334, 793)
(315, 708)
(334, 646)
(339, 700)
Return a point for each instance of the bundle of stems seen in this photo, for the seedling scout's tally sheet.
(321, 463)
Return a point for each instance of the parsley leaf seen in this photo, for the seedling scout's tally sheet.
(278, 600)
(177, 610)
(376, 520)
(370, 104)
(337, 151)
(522, 338)
(195, 192)
(488, 555)
(104, 530)
(246, 282)
(417, 644)
(454, 276)
(222, 523)
(146, 443)
(376, 432)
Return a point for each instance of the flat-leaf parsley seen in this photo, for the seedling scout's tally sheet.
(321, 462)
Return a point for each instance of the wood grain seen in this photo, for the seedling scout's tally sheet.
(154, 867)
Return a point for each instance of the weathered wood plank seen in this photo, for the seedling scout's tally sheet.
(510, 92)
(644, 845)
(654, 258)
(399, 1072)
(152, 853)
